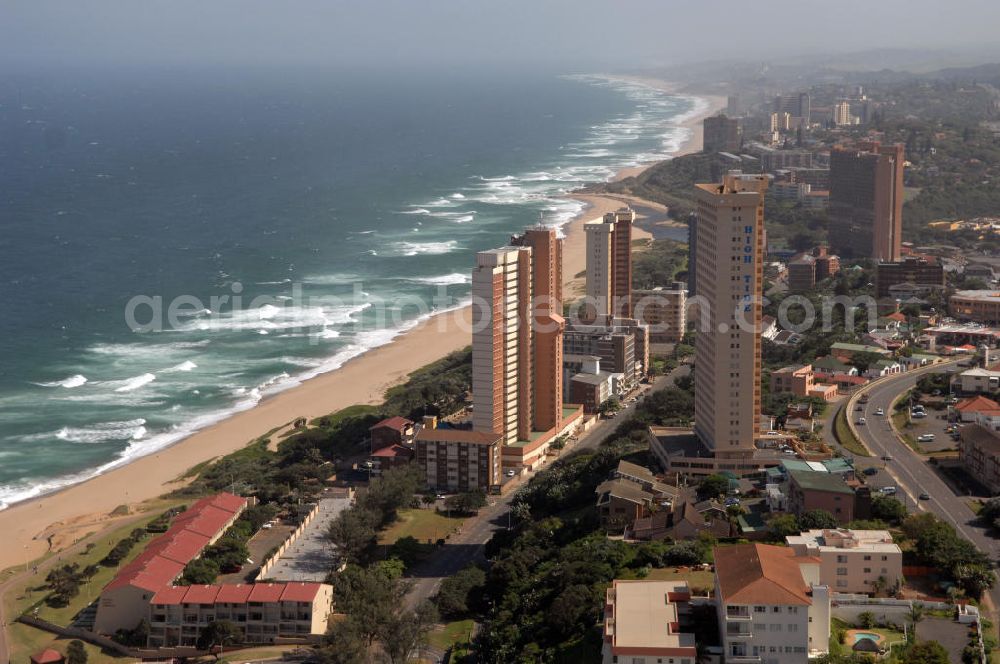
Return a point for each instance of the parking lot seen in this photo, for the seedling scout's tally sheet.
(310, 557)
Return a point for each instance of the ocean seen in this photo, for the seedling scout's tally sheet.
(325, 212)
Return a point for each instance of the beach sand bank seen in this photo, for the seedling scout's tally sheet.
(57, 520)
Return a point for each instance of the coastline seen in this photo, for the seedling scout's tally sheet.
(55, 520)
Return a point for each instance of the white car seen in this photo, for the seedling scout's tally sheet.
(511, 473)
(861, 420)
(889, 490)
(926, 438)
(879, 411)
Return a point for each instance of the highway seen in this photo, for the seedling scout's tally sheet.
(908, 470)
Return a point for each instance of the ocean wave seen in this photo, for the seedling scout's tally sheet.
(135, 383)
(187, 365)
(444, 279)
(425, 248)
(104, 432)
(76, 380)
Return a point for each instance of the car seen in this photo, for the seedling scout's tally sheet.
(511, 473)
(879, 411)
(860, 408)
(936, 393)
(268, 526)
(925, 438)
(772, 433)
(861, 421)
(925, 496)
(439, 496)
(870, 471)
(887, 457)
(732, 501)
(889, 490)
(952, 400)
(918, 414)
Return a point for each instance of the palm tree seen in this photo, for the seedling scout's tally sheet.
(916, 614)
(879, 585)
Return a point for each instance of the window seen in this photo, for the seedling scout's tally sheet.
(776, 609)
(841, 558)
(868, 570)
(868, 557)
(841, 571)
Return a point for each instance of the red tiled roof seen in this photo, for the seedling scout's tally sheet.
(229, 502)
(47, 656)
(976, 403)
(234, 593)
(300, 592)
(171, 595)
(392, 451)
(760, 574)
(201, 594)
(148, 571)
(897, 316)
(395, 423)
(179, 545)
(459, 436)
(205, 520)
(266, 592)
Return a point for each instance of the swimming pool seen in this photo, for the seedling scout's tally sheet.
(866, 635)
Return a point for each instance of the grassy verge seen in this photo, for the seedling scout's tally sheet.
(457, 633)
(694, 578)
(842, 430)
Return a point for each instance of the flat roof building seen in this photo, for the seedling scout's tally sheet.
(866, 200)
(459, 459)
(609, 265)
(852, 561)
(648, 619)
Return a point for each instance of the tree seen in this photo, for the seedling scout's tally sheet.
(370, 596)
(405, 630)
(888, 509)
(76, 653)
(864, 360)
(469, 502)
(457, 591)
(609, 406)
(217, 634)
(200, 571)
(344, 644)
(974, 579)
(784, 525)
(713, 486)
(353, 533)
(866, 620)
(915, 615)
(407, 549)
(928, 652)
(817, 520)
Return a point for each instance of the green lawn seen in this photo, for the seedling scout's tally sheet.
(459, 631)
(695, 578)
(421, 524)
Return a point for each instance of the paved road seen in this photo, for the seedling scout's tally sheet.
(467, 545)
(910, 472)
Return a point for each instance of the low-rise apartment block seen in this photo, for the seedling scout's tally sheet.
(772, 606)
(809, 491)
(852, 561)
(460, 459)
(979, 451)
(648, 621)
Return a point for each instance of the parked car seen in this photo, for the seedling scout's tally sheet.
(918, 414)
(511, 473)
(889, 490)
(925, 438)
(870, 471)
(879, 411)
(887, 457)
(861, 421)
(925, 496)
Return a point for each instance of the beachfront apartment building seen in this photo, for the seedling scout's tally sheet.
(460, 460)
(772, 606)
(517, 346)
(729, 263)
(262, 612)
(144, 589)
(609, 266)
(648, 621)
(852, 561)
(663, 311)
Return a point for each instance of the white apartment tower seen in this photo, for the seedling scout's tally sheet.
(609, 265)
(729, 272)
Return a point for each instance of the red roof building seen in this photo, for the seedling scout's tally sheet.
(300, 592)
(391, 431)
(48, 656)
(266, 592)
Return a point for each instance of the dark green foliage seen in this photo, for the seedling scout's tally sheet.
(817, 519)
(64, 583)
(889, 510)
(75, 652)
(200, 571)
(926, 652)
(135, 637)
(218, 634)
(122, 548)
(713, 486)
(659, 264)
(459, 592)
(936, 544)
(469, 502)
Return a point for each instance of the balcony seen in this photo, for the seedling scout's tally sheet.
(739, 630)
(738, 613)
(743, 659)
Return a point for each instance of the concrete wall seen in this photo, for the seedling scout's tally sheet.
(297, 533)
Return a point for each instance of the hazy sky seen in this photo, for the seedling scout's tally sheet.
(563, 33)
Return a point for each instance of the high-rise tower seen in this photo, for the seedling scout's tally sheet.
(729, 266)
(609, 265)
(866, 200)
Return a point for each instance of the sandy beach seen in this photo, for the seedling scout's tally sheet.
(57, 520)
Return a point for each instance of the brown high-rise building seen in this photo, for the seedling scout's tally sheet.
(866, 200)
(609, 265)
(548, 324)
(729, 262)
(721, 134)
(517, 342)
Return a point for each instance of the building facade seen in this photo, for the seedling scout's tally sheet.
(609, 265)
(981, 306)
(772, 606)
(979, 452)
(866, 200)
(852, 561)
(730, 268)
(663, 311)
(809, 491)
(919, 271)
(460, 460)
(722, 134)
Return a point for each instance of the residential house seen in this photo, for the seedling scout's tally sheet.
(845, 352)
(852, 561)
(968, 410)
(799, 380)
(883, 368)
(772, 605)
(648, 621)
(978, 381)
(768, 327)
(809, 491)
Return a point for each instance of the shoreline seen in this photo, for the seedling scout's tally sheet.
(55, 520)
